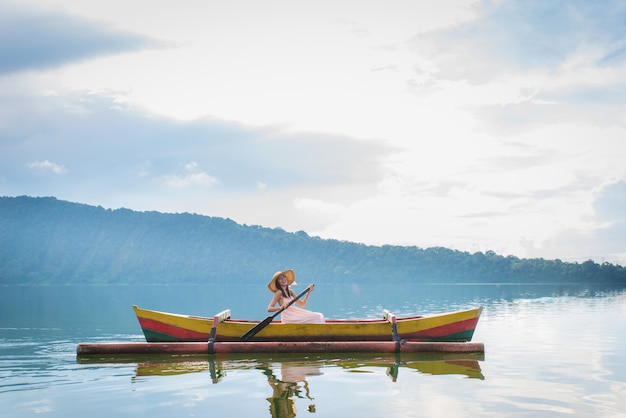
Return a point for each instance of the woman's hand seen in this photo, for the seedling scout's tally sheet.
(311, 287)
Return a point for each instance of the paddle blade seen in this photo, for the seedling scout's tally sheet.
(257, 328)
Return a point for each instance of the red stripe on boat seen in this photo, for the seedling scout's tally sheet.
(444, 330)
(172, 331)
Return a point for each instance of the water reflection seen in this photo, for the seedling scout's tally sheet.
(295, 368)
(291, 384)
(465, 364)
(292, 378)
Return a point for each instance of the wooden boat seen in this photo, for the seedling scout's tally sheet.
(456, 326)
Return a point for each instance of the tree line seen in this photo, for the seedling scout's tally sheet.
(44, 240)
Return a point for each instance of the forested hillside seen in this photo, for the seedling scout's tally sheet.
(45, 240)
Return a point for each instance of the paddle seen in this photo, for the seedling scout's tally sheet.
(269, 319)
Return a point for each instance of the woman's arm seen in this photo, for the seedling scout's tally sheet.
(276, 299)
(302, 303)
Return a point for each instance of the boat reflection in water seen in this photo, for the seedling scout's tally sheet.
(466, 364)
(288, 374)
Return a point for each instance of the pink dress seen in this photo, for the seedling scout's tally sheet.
(297, 315)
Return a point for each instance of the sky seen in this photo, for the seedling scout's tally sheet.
(475, 125)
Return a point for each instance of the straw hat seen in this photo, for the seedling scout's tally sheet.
(291, 279)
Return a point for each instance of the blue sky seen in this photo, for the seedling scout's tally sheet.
(473, 125)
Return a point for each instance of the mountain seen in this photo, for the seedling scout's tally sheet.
(44, 240)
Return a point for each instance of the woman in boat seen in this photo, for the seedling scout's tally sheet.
(283, 294)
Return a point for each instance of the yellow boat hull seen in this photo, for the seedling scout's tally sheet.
(456, 326)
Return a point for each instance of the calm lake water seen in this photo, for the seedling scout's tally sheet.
(549, 351)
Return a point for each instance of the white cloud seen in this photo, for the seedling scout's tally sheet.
(195, 179)
(47, 166)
